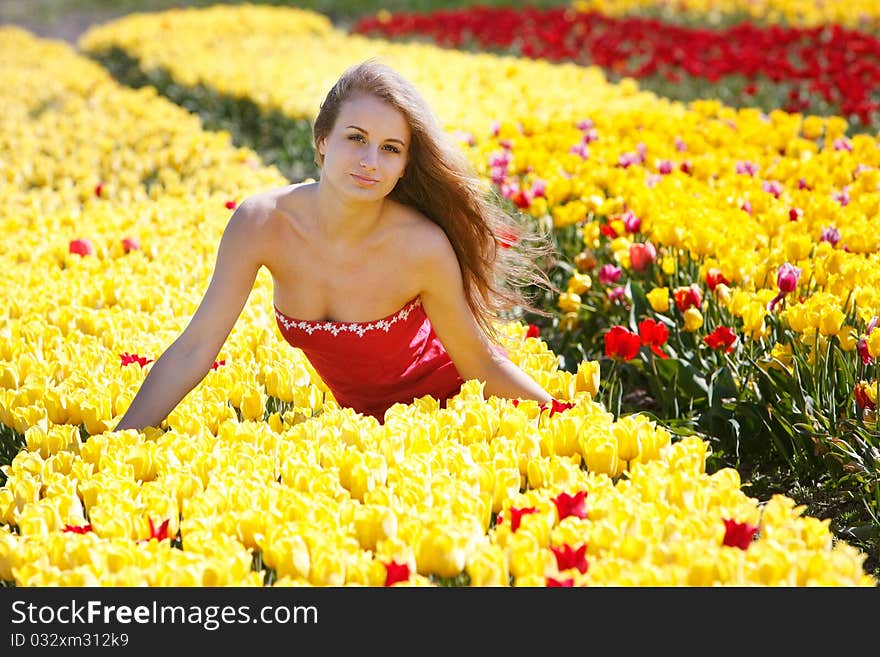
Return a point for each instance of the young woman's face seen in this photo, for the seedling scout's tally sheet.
(365, 153)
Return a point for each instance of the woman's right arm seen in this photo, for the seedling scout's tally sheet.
(189, 358)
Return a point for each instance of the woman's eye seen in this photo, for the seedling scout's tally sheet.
(356, 137)
(392, 149)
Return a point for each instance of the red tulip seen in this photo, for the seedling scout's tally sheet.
(862, 349)
(396, 572)
(827, 67)
(688, 297)
(160, 533)
(721, 338)
(621, 343)
(556, 406)
(552, 582)
(230, 205)
(571, 505)
(641, 255)
(863, 399)
(130, 244)
(128, 359)
(714, 277)
(516, 516)
(82, 247)
(608, 231)
(654, 335)
(566, 557)
(738, 534)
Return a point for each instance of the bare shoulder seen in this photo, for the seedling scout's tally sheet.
(424, 247)
(421, 236)
(264, 214)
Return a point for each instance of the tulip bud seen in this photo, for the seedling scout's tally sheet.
(82, 247)
(659, 299)
(787, 278)
(714, 278)
(587, 378)
(874, 344)
(865, 395)
(600, 455)
(488, 567)
(628, 443)
(608, 274)
(585, 261)
(569, 322)
(579, 283)
(693, 319)
(722, 291)
(441, 551)
(253, 404)
(569, 302)
(830, 321)
(688, 297)
(641, 255)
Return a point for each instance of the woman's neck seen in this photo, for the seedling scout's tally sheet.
(343, 220)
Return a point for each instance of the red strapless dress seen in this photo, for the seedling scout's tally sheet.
(370, 366)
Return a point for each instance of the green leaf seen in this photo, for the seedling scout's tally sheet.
(640, 304)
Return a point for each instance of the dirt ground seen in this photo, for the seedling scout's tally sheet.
(64, 19)
(67, 28)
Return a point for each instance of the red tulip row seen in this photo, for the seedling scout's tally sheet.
(840, 66)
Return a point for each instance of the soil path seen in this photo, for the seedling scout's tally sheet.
(52, 22)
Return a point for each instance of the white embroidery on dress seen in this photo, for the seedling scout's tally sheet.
(361, 328)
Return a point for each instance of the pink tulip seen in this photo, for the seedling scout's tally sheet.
(787, 281)
(609, 274)
(631, 222)
(787, 278)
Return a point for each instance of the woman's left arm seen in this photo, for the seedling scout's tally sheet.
(474, 356)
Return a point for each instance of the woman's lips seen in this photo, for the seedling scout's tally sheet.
(363, 180)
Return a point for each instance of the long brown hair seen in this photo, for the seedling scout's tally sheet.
(499, 254)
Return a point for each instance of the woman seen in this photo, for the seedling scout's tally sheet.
(397, 228)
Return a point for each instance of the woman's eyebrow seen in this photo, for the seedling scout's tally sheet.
(399, 141)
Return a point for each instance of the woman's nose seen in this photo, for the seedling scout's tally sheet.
(368, 160)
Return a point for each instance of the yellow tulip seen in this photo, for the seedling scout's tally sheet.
(579, 283)
(659, 299)
(848, 338)
(693, 319)
(487, 566)
(587, 377)
(830, 321)
(328, 568)
(874, 343)
(441, 551)
(569, 302)
(600, 455)
(753, 320)
(253, 403)
(287, 553)
(628, 440)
